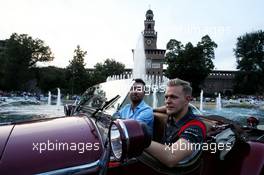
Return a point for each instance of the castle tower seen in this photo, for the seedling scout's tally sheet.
(154, 56)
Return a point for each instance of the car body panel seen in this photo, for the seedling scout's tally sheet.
(4, 134)
(21, 155)
(253, 163)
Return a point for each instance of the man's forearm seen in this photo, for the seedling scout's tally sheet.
(169, 155)
(161, 109)
(163, 155)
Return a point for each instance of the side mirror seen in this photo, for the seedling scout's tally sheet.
(68, 109)
(128, 138)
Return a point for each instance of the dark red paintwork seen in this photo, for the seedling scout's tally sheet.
(248, 159)
(254, 161)
(4, 134)
(19, 157)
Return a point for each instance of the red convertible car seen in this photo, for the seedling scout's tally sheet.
(90, 140)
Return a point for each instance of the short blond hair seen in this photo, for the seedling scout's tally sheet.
(186, 86)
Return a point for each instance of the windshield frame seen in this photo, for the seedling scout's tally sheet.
(96, 96)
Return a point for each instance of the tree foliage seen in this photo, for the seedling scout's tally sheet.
(76, 73)
(249, 52)
(20, 55)
(191, 63)
(2, 65)
(50, 78)
(27, 50)
(108, 68)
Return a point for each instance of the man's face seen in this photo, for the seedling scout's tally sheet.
(176, 100)
(137, 92)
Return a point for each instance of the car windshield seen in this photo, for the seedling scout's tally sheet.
(96, 96)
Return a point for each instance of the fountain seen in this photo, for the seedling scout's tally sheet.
(58, 98)
(218, 102)
(49, 98)
(139, 70)
(155, 100)
(201, 100)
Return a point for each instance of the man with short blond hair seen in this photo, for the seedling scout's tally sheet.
(187, 89)
(182, 127)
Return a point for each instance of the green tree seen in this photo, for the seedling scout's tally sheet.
(249, 52)
(50, 78)
(21, 54)
(191, 63)
(108, 68)
(76, 73)
(3, 63)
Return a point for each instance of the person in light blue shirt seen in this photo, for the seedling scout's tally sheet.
(138, 109)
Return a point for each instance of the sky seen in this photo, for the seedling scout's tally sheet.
(111, 28)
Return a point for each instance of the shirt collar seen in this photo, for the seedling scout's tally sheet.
(140, 105)
(184, 119)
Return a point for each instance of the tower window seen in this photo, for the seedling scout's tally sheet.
(149, 26)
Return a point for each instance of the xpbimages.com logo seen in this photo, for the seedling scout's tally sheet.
(81, 147)
(147, 89)
(212, 147)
